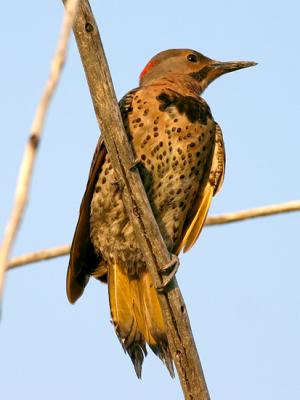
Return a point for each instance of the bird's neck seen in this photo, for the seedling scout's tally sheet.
(181, 83)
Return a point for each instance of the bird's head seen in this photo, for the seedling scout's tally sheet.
(195, 69)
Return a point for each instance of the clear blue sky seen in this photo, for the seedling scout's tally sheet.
(240, 282)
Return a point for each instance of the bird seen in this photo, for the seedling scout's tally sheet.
(181, 159)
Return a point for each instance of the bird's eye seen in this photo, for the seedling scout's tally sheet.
(192, 57)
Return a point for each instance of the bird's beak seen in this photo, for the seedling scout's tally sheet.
(213, 69)
(220, 68)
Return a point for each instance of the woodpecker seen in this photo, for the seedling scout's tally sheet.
(181, 157)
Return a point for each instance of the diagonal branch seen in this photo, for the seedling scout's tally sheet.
(27, 165)
(156, 255)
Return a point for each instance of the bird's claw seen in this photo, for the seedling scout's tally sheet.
(168, 272)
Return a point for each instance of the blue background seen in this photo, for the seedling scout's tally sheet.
(240, 282)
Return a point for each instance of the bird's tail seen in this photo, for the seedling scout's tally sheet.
(137, 317)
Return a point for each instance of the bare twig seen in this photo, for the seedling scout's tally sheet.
(41, 255)
(236, 216)
(26, 168)
(254, 213)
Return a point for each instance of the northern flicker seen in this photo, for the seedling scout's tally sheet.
(181, 161)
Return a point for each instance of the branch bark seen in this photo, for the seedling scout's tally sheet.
(47, 254)
(156, 255)
(254, 213)
(41, 255)
(27, 165)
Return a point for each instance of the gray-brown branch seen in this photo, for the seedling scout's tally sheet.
(258, 212)
(156, 255)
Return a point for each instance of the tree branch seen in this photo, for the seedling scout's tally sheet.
(254, 213)
(27, 165)
(156, 255)
(237, 216)
(40, 255)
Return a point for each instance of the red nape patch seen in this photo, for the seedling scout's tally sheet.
(149, 66)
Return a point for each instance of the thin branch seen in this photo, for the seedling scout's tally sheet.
(237, 216)
(27, 165)
(254, 213)
(40, 255)
(180, 337)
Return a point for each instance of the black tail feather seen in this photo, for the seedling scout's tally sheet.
(137, 353)
(163, 352)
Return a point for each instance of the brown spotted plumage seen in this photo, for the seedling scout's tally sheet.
(182, 160)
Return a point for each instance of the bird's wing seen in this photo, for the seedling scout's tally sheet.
(219, 161)
(196, 217)
(83, 259)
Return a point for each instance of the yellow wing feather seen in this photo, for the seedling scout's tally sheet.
(203, 201)
(121, 302)
(195, 227)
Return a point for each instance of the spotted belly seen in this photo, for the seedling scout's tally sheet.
(175, 155)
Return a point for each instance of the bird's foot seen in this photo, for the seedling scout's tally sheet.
(168, 271)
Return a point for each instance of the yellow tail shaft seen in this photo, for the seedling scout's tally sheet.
(137, 316)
